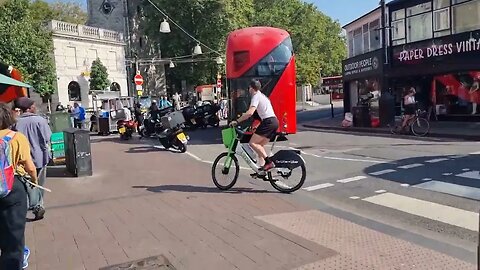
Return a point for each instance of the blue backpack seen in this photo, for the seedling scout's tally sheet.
(6, 166)
(82, 114)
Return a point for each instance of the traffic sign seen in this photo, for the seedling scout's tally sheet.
(138, 79)
(138, 87)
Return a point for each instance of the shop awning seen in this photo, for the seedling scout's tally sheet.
(9, 81)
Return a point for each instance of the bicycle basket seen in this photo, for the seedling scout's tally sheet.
(228, 136)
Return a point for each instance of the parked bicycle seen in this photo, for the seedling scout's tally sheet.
(418, 125)
(226, 169)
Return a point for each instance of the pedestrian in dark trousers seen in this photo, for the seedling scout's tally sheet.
(13, 205)
(38, 132)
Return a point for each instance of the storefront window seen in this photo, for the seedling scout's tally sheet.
(441, 19)
(466, 16)
(350, 44)
(398, 30)
(419, 27)
(457, 94)
(366, 39)
(398, 15)
(438, 4)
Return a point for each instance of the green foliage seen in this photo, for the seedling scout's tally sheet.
(98, 76)
(316, 38)
(27, 46)
(61, 11)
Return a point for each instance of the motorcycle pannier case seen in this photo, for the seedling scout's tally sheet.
(173, 119)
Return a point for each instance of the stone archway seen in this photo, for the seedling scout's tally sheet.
(115, 87)
(74, 91)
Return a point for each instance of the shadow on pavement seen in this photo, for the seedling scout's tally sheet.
(146, 149)
(210, 135)
(199, 189)
(58, 172)
(457, 175)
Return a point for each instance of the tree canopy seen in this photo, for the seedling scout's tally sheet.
(316, 38)
(98, 76)
(27, 46)
(43, 11)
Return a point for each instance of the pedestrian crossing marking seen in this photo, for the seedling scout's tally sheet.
(351, 179)
(383, 172)
(453, 189)
(446, 214)
(411, 166)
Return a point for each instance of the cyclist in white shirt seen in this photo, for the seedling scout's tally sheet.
(261, 105)
(409, 104)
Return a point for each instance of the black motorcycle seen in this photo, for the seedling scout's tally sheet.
(173, 136)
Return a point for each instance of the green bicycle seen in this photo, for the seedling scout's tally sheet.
(226, 168)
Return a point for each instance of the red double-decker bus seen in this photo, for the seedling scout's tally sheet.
(266, 54)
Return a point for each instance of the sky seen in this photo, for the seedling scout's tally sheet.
(344, 11)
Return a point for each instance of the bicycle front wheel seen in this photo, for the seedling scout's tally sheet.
(420, 127)
(225, 171)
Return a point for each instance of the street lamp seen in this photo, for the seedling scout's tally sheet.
(165, 27)
(197, 50)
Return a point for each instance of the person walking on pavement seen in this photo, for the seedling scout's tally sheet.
(38, 133)
(13, 207)
(164, 103)
(78, 115)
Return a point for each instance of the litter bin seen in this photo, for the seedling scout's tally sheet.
(361, 116)
(78, 156)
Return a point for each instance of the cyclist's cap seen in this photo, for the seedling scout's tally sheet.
(255, 84)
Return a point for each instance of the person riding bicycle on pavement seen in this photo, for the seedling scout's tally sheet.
(409, 104)
(261, 105)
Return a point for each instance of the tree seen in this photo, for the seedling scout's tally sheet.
(62, 11)
(27, 46)
(98, 76)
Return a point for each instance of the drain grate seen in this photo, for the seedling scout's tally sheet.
(150, 263)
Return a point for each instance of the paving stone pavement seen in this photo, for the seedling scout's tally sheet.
(144, 202)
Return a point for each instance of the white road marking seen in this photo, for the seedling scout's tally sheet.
(320, 186)
(380, 191)
(453, 189)
(427, 179)
(338, 158)
(475, 153)
(411, 166)
(194, 156)
(383, 172)
(436, 160)
(472, 175)
(466, 169)
(354, 198)
(459, 156)
(351, 179)
(405, 185)
(446, 214)
(447, 174)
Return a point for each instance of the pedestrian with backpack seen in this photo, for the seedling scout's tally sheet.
(38, 133)
(15, 162)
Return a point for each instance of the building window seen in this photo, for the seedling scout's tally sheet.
(366, 39)
(357, 41)
(418, 9)
(398, 15)
(74, 91)
(466, 16)
(398, 29)
(350, 44)
(419, 27)
(374, 29)
(115, 87)
(112, 58)
(439, 4)
(441, 19)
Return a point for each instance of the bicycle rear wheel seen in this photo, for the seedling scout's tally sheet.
(420, 127)
(284, 176)
(225, 171)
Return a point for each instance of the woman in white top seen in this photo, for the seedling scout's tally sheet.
(409, 104)
(268, 126)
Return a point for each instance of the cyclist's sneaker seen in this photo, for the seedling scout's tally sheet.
(26, 255)
(268, 166)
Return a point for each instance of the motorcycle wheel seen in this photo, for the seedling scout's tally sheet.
(182, 148)
(165, 143)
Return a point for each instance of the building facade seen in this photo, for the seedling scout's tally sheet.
(128, 17)
(431, 45)
(75, 48)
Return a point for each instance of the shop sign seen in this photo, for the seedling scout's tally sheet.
(363, 65)
(434, 50)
